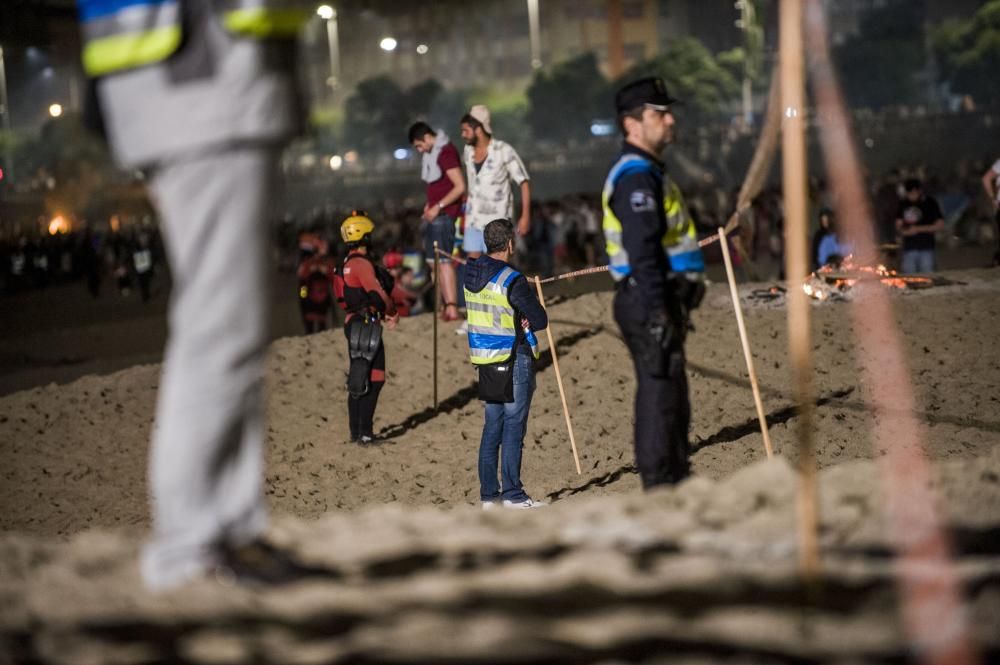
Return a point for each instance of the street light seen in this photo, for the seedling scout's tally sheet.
(534, 34)
(747, 23)
(387, 44)
(329, 14)
(55, 110)
(422, 49)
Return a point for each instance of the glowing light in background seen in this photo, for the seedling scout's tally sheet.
(58, 225)
(602, 128)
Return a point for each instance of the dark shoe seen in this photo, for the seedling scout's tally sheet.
(259, 563)
(368, 439)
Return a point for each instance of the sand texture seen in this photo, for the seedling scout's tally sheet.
(705, 572)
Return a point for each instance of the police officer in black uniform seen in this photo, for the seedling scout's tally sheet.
(658, 267)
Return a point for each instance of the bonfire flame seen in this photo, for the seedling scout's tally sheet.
(832, 281)
(58, 225)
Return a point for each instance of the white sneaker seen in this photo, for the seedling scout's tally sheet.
(490, 505)
(463, 329)
(527, 503)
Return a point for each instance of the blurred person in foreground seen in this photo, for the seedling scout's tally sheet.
(201, 96)
(658, 268)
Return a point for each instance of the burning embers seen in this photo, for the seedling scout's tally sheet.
(836, 282)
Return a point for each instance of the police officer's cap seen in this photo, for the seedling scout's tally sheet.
(651, 92)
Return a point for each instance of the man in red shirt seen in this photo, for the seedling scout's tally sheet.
(441, 169)
(364, 295)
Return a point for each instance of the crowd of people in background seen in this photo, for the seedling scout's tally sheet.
(130, 258)
(565, 234)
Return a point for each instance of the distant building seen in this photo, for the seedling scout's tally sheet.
(487, 43)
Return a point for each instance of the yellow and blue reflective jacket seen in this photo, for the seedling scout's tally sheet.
(125, 34)
(492, 323)
(680, 239)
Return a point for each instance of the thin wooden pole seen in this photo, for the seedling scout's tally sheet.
(744, 339)
(794, 173)
(437, 299)
(555, 366)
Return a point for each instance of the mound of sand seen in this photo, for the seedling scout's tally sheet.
(697, 573)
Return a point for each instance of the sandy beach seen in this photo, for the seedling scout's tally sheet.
(74, 507)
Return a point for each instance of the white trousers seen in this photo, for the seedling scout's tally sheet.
(206, 463)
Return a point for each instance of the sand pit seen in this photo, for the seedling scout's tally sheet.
(706, 571)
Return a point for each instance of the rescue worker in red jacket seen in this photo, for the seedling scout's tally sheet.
(364, 287)
(315, 295)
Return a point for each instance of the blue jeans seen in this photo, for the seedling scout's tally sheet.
(441, 229)
(503, 436)
(917, 261)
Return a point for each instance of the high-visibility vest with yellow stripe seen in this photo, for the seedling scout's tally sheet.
(492, 327)
(125, 34)
(680, 242)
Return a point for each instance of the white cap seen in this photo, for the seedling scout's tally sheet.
(482, 114)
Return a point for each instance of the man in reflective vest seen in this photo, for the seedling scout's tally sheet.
(200, 94)
(658, 268)
(503, 314)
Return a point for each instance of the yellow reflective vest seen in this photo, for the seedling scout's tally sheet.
(680, 242)
(125, 34)
(492, 328)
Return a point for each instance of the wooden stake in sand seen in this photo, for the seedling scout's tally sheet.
(555, 366)
(794, 171)
(746, 343)
(437, 299)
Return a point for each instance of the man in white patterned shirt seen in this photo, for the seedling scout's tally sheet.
(490, 167)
